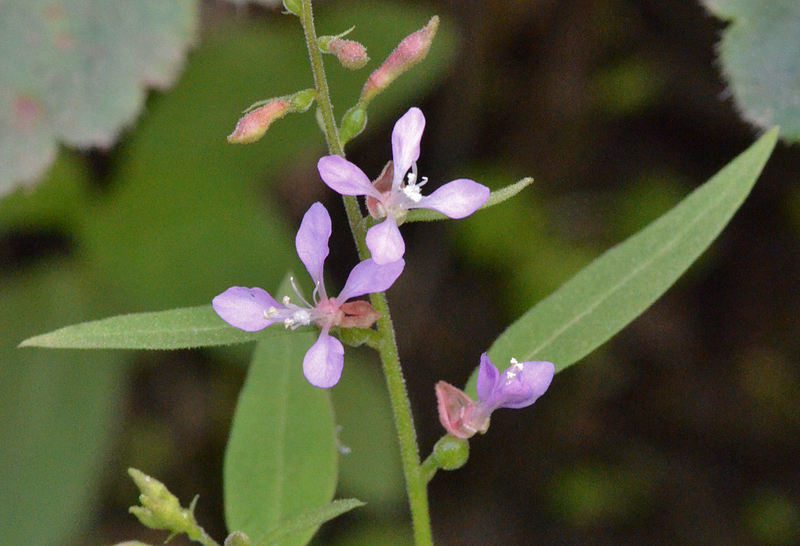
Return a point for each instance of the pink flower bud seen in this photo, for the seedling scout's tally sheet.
(351, 54)
(408, 52)
(255, 123)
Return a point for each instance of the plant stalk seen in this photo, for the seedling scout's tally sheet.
(416, 483)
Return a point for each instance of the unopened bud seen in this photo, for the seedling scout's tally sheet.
(294, 7)
(255, 123)
(451, 452)
(353, 122)
(352, 55)
(159, 508)
(411, 50)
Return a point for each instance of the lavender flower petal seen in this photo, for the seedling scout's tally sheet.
(456, 199)
(244, 307)
(367, 277)
(312, 242)
(385, 242)
(406, 137)
(487, 378)
(344, 177)
(323, 362)
(522, 387)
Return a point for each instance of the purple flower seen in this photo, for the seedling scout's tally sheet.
(397, 189)
(520, 385)
(253, 309)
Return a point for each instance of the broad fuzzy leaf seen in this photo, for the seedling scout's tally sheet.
(760, 56)
(76, 71)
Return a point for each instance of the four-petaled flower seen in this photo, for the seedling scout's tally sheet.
(253, 309)
(397, 189)
(520, 385)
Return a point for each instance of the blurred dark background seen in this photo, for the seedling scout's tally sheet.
(684, 428)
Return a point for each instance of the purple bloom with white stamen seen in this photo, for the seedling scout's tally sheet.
(519, 386)
(253, 309)
(397, 189)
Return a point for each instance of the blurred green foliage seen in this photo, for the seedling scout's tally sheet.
(612, 107)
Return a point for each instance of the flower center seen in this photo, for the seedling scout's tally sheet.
(512, 372)
(411, 189)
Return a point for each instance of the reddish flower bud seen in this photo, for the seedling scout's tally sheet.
(255, 123)
(411, 50)
(351, 54)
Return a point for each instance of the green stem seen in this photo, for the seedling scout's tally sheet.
(429, 467)
(416, 484)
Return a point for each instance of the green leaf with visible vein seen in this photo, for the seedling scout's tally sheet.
(281, 458)
(760, 58)
(314, 518)
(495, 198)
(184, 328)
(617, 287)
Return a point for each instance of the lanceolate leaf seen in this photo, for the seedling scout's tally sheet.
(184, 328)
(281, 459)
(613, 290)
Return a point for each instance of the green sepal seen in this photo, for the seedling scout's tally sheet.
(356, 337)
(295, 7)
(353, 123)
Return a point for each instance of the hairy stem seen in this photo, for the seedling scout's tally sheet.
(404, 421)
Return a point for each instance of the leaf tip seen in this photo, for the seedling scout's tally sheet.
(30, 342)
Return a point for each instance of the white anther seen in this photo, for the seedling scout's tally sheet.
(286, 300)
(515, 368)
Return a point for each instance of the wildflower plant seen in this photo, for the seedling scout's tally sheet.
(284, 412)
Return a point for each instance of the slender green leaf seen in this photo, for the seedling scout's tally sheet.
(614, 289)
(281, 459)
(184, 328)
(495, 198)
(313, 518)
(760, 59)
